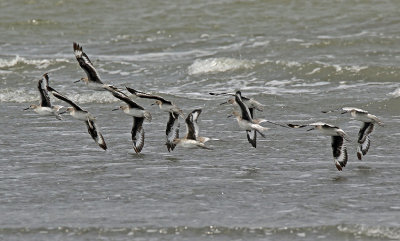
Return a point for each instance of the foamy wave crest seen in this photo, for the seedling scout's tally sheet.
(211, 65)
(395, 93)
(38, 63)
(18, 95)
(32, 96)
(94, 97)
(381, 232)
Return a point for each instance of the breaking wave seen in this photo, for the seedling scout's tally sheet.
(214, 65)
(31, 96)
(38, 63)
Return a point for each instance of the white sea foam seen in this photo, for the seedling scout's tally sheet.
(38, 63)
(215, 65)
(32, 96)
(395, 93)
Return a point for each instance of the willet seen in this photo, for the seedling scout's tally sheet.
(139, 114)
(45, 107)
(93, 78)
(192, 138)
(246, 122)
(366, 128)
(78, 113)
(338, 136)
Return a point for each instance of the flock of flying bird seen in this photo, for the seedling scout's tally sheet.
(244, 113)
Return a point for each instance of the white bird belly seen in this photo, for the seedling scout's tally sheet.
(134, 112)
(44, 110)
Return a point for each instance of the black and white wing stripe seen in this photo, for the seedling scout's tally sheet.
(63, 98)
(138, 134)
(172, 131)
(126, 99)
(252, 140)
(148, 96)
(339, 152)
(86, 64)
(44, 94)
(364, 139)
(196, 113)
(190, 129)
(95, 134)
(245, 110)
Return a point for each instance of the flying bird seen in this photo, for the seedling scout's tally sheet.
(78, 113)
(246, 122)
(92, 79)
(139, 114)
(368, 122)
(192, 138)
(45, 108)
(337, 135)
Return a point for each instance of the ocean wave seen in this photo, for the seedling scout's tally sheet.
(31, 96)
(336, 232)
(395, 93)
(38, 63)
(214, 65)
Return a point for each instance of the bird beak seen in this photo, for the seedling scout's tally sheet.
(224, 103)
(62, 112)
(155, 103)
(27, 108)
(311, 129)
(77, 81)
(343, 112)
(115, 109)
(229, 116)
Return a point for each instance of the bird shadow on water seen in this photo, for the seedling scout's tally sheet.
(339, 179)
(364, 170)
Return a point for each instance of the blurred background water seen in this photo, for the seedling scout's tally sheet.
(296, 57)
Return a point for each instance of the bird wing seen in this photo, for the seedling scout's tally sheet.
(339, 152)
(196, 113)
(172, 131)
(138, 134)
(86, 64)
(126, 99)
(190, 129)
(44, 94)
(364, 139)
(63, 98)
(148, 96)
(95, 133)
(245, 110)
(252, 140)
(349, 109)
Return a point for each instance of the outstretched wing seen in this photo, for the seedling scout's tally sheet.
(95, 134)
(44, 94)
(196, 113)
(172, 131)
(339, 152)
(190, 129)
(245, 110)
(252, 140)
(126, 99)
(363, 139)
(138, 134)
(63, 98)
(148, 96)
(86, 64)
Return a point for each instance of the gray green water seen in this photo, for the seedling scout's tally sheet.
(296, 57)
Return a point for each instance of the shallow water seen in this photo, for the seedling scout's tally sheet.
(297, 58)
